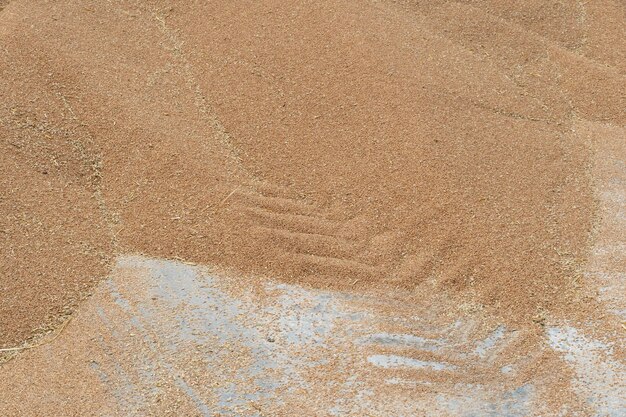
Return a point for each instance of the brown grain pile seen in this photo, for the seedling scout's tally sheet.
(350, 144)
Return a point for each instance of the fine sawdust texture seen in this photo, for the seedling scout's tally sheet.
(352, 145)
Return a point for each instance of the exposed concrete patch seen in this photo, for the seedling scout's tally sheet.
(601, 378)
(163, 335)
